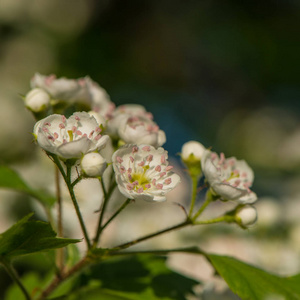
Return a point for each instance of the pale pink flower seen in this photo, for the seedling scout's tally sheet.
(143, 172)
(229, 178)
(69, 138)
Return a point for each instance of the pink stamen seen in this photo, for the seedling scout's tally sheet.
(148, 186)
(51, 138)
(146, 148)
(130, 186)
(131, 159)
(135, 149)
(85, 135)
(158, 168)
(129, 177)
(45, 129)
(47, 124)
(140, 190)
(119, 159)
(122, 169)
(77, 118)
(150, 157)
(163, 159)
(63, 119)
(168, 168)
(162, 174)
(159, 186)
(91, 133)
(78, 132)
(55, 135)
(222, 158)
(98, 137)
(129, 170)
(168, 181)
(141, 164)
(154, 181)
(61, 126)
(74, 128)
(135, 183)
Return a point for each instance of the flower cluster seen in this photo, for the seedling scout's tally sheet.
(140, 164)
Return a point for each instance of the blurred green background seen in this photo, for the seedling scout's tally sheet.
(225, 73)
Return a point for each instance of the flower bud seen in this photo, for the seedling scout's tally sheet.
(246, 216)
(191, 154)
(93, 164)
(37, 100)
(192, 150)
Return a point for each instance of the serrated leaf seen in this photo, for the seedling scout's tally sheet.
(252, 283)
(10, 179)
(28, 236)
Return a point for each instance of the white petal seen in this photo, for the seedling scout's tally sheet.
(227, 191)
(74, 149)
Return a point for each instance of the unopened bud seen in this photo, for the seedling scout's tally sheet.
(246, 216)
(191, 154)
(192, 151)
(93, 164)
(37, 100)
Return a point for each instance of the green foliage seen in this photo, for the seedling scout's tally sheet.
(252, 283)
(134, 278)
(11, 180)
(27, 237)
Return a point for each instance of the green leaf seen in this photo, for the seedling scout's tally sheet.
(10, 179)
(131, 278)
(252, 283)
(27, 237)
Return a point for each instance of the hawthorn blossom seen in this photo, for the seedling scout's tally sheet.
(62, 88)
(141, 130)
(133, 124)
(229, 178)
(143, 172)
(69, 138)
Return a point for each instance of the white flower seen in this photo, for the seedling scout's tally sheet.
(122, 113)
(192, 150)
(246, 215)
(93, 164)
(134, 125)
(69, 138)
(229, 178)
(37, 100)
(62, 88)
(141, 130)
(143, 172)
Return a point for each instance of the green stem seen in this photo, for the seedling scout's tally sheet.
(107, 196)
(60, 252)
(149, 236)
(226, 218)
(193, 250)
(194, 193)
(76, 206)
(78, 179)
(209, 198)
(15, 277)
(115, 214)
